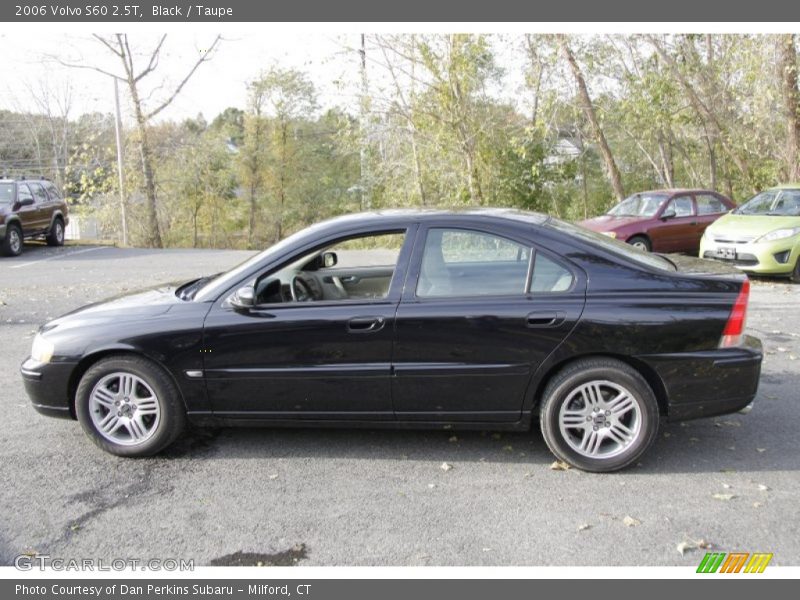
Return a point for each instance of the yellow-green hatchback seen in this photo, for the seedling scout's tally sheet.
(762, 236)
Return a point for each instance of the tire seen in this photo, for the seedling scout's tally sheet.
(794, 277)
(56, 235)
(567, 414)
(12, 243)
(641, 242)
(122, 398)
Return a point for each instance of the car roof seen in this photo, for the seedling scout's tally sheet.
(397, 216)
(678, 191)
(787, 186)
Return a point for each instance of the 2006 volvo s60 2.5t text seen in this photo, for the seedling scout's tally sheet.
(478, 319)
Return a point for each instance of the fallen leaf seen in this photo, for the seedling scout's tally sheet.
(446, 466)
(273, 476)
(761, 449)
(431, 485)
(508, 448)
(723, 497)
(781, 349)
(584, 527)
(631, 522)
(667, 434)
(757, 505)
(559, 466)
(762, 487)
(727, 486)
(692, 545)
(453, 438)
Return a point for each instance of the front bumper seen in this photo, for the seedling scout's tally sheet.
(709, 383)
(47, 385)
(765, 258)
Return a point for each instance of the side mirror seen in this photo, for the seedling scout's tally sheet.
(25, 202)
(329, 259)
(244, 298)
(668, 214)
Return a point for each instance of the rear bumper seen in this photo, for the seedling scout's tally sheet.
(709, 383)
(47, 385)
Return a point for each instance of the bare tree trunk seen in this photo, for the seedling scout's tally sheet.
(614, 177)
(787, 63)
(282, 183)
(145, 153)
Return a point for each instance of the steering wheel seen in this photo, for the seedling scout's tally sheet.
(301, 291)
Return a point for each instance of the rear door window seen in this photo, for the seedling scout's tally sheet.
(710, 205)
(465, 263)
(682, 205)
(38, 192)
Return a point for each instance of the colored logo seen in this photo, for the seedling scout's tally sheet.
(734, 562)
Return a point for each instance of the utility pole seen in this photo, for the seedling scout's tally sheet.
(366, 200)
(120, 171)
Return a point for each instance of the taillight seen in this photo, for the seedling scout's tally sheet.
(734, 328)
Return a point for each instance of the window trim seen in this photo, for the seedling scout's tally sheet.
(415, 268)
(395, 285)
(560, 262)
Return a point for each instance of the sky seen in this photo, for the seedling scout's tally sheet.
(31, 61)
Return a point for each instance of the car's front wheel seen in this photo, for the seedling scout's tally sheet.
(129, 406)
(12, 243)
(640, 242)
(599, 415)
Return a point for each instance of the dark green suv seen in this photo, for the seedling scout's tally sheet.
(29, 208)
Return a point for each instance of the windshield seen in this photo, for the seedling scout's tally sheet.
(779, 203)
(6, 193)
(614, 246)
(639, 205)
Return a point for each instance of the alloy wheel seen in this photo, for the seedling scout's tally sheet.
(124, 409)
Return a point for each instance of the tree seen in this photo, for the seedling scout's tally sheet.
(612, 171)
(787, 65)
(132, 76)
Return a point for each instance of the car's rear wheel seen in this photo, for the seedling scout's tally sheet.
(129, 406)
(56, 235)
(640, 242)
(599, 415)
(12, 243)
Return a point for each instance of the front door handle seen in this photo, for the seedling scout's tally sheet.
(545, 319)
(365, 324)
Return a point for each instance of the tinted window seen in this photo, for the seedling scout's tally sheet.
(682, 206)
(710, 205)
(23, 193)
(457, 262)
(38, 192)
(549, 276)
(52, 192)
(611, 245)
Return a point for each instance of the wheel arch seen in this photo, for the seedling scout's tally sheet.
(92, 359)
(646, 371)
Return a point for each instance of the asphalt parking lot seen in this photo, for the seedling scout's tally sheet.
(345, 497)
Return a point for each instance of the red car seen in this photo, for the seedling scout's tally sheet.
(663, 220)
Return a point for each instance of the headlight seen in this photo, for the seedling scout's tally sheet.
(611, 234)
(42, 350)
(779, 234)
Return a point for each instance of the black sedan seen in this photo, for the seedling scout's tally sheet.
(483, 319)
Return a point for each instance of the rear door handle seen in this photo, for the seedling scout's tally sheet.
(365, 324)
(545, 319)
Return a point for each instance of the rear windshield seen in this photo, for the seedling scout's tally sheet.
(6, 193)
(638, 205)
(609, 244)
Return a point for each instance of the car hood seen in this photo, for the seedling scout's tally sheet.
(751, 225)
(608, 222)
(136, 305)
